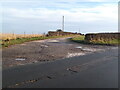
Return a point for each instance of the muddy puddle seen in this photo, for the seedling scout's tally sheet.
(74, 54)
(20, 59)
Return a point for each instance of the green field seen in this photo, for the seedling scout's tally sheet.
(107, 42)
(79, 39)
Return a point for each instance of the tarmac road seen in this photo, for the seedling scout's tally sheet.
(46, 50)
(94, 70)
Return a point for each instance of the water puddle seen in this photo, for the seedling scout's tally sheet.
(44, 45)
(79, 47)
(88, 49)
(93, 49)
(74, 54)
(53, 41)
(114, 47)
(20, 59)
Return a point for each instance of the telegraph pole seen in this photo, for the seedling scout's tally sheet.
(79, 30)
(63, 23)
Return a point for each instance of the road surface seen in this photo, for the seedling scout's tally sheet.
(94, 70)
(46, 50)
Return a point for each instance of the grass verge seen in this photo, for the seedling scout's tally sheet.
(107, 42)
(81, 39)
(22, 40)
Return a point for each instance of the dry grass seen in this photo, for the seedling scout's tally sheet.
(9, 36)
(12, 39)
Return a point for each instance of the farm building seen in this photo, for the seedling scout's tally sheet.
(59, 32)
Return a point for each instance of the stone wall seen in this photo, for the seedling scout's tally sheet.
(101, 36)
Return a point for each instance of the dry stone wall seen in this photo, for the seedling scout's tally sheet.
(101, 36)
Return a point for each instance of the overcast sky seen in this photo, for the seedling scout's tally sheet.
(40, 16)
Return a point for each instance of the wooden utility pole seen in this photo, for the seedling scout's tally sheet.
(79, 30)
(63, 23)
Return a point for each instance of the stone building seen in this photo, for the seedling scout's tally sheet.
(59, 32)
